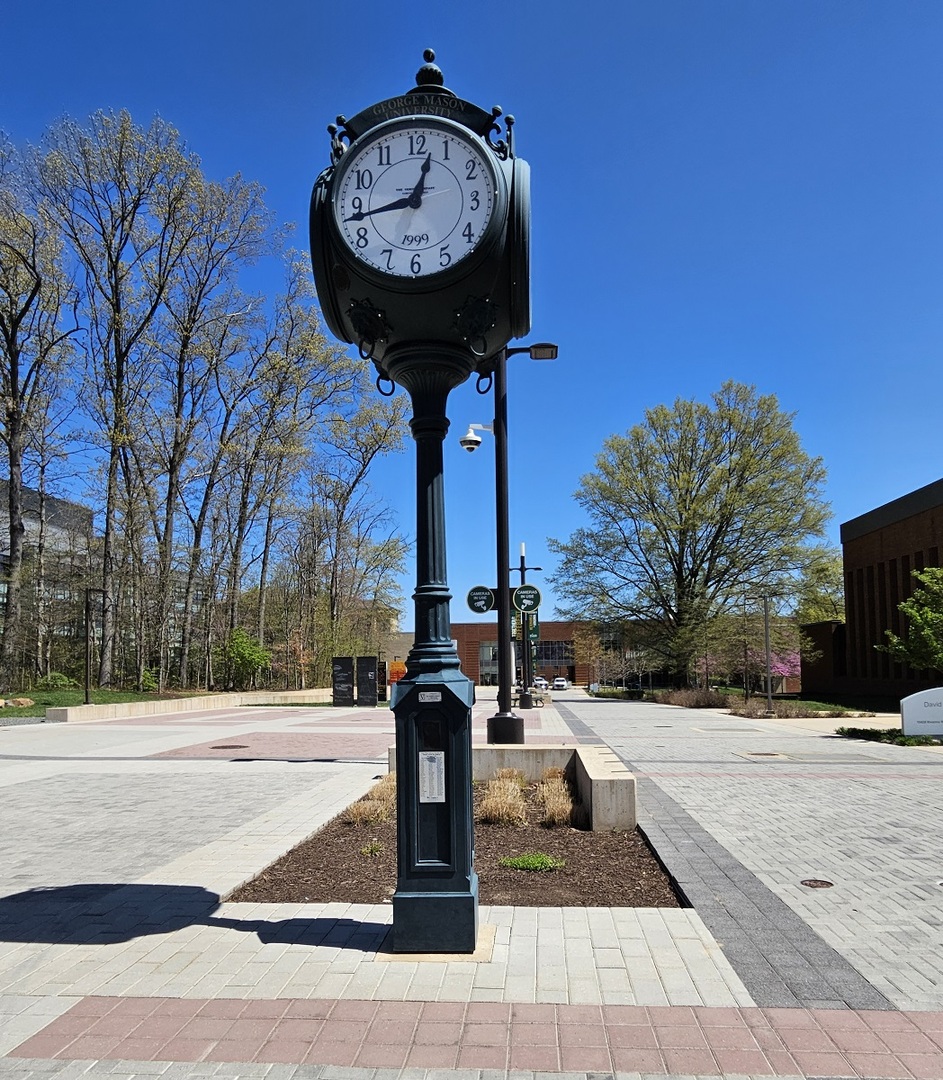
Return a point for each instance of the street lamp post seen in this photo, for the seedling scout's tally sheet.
(769, 676)
(526, 698)
(88, 642)
(765, 599)
(505, 726)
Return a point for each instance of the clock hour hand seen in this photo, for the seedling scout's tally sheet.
(397, 204)
(415, 199)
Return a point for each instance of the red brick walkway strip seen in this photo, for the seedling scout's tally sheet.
(287, 745)
(485, 1035)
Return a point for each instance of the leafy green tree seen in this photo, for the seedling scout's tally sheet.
(820, 593)
(691, 511)
(923, 645)
(244, 658)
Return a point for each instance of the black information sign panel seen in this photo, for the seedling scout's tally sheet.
(381, 681)
(366, 681)
(342, 672)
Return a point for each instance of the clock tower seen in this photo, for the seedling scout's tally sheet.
(420, 249)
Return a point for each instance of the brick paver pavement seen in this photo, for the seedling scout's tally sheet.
(118, 958)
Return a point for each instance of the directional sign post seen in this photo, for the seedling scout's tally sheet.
(526, 598)
(480, 599)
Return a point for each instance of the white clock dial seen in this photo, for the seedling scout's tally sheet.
(415, 200)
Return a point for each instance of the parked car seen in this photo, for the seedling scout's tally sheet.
(540, 683)
(559, 683)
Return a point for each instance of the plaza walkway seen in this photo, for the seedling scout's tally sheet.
(812, 946)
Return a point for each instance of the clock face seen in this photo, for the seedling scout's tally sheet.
(414, 200)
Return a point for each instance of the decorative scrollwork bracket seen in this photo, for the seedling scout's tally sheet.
(504, 148)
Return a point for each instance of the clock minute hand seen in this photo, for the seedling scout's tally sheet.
(397, 204)
(415, 198)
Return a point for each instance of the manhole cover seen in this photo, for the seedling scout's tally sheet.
(816, 883)
(230, 746)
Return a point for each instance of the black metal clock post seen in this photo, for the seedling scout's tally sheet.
(420, 249)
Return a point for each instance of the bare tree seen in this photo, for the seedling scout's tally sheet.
(123, 197)
(35, 328)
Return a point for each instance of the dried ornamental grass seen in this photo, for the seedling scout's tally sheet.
(554, 794)
(384, 790)
(514, 775)
(367, 812)
(379, 804)
(503, 804)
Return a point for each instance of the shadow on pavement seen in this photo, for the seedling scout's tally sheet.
(102, 914)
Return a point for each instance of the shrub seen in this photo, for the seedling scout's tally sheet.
(619, 693)
(756, 708)
(55, 680)
(886, 735)
(692, 698)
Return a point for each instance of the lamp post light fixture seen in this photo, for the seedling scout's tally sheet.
(505, 726)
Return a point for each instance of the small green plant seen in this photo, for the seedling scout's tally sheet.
(533, 861)
(372, 849)
(148, 680)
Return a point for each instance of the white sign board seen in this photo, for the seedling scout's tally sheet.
(922, 714)
(432, 776)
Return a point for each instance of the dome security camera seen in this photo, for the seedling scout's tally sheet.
(470, 441)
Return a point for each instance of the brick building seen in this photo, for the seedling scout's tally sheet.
(478, 652)
(880, 551)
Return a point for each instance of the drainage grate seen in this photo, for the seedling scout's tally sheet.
(231, 746)
(739, 730)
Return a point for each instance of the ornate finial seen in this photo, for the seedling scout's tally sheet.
(429, 75)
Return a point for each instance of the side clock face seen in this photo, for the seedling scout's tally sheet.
(414, 199)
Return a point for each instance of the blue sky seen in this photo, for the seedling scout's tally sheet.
(746, 189)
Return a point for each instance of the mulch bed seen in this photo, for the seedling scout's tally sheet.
(356, 864)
